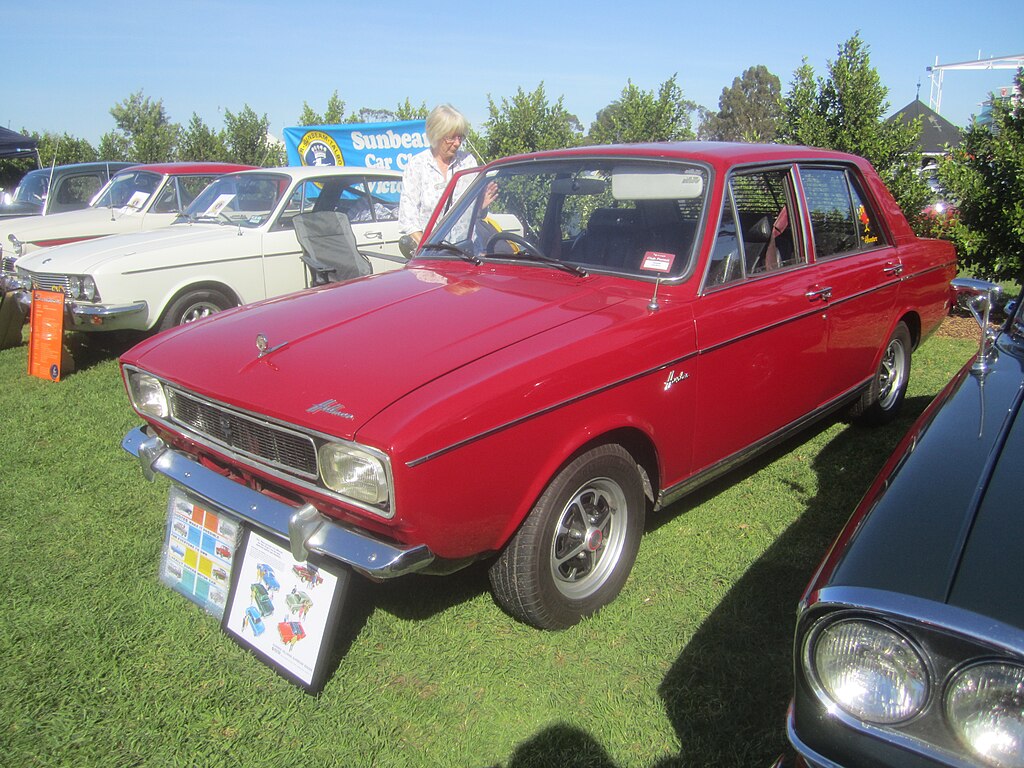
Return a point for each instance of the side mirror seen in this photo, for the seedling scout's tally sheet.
(977, 297)
(407, 246)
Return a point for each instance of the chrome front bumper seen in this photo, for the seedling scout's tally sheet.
(86, 317)
(305, 528)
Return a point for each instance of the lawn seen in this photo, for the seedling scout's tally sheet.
(102, 665)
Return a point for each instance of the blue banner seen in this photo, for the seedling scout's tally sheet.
(362, 145)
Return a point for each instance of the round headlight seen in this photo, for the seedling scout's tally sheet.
(869, 670)
(74, 287)
(985, 708)
(354, 473)
(147, 394)
(88, 288)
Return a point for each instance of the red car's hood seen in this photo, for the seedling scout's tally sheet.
(338, 356)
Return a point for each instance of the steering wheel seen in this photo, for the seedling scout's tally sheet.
(512, 237)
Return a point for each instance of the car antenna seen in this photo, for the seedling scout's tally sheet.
(653, 304)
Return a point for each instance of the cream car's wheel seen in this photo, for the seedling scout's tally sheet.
(192, 306)
(575, 549)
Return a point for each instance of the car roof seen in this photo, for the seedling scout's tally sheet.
(717, 153)
(114, 165)
(187, 168)
(308, 171)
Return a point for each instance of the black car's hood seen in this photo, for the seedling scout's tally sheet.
(943, 519)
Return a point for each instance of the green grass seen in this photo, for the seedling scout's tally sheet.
(102, 665)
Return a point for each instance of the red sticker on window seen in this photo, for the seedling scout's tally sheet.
(657, 262)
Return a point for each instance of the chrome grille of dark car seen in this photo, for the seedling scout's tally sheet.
(46, 282)
(252, 437)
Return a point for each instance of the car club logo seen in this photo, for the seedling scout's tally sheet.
(318, 148)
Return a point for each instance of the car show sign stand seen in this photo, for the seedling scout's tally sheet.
(47, 357)
(284, 611)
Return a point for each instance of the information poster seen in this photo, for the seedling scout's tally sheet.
(285, 611)
(199, 552)
(46, 336)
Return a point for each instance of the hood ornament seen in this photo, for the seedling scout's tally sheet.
(264, 347)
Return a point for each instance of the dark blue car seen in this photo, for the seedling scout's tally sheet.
(909, 648)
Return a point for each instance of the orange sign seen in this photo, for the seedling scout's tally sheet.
(46, 336)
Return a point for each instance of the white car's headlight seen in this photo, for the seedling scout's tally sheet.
(74, 287)
(89, 292)
(985, 708)
(353, 472)
(868, 670)
(147, 394)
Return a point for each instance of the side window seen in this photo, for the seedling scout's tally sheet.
(841, 219)
(384, 196)
(754, 234)
(77, 191)
(871, 234)
(167, 200)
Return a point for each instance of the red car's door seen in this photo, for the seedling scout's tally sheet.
(761, 322)
(858, 267)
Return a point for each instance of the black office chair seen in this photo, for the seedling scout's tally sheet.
(329, 248)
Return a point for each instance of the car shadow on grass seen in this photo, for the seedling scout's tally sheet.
(727, 692)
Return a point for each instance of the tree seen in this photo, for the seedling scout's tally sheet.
(750, 110)
(845, 112)
(200, 142)
(985, 178)
(640, 116)
(334, 114)
(144, 133)
(247, 140)
(407, 111)
(527, 123)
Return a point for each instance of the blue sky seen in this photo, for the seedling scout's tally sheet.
(67, 62)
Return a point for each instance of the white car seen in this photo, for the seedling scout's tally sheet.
(234, 245)
(137, 199)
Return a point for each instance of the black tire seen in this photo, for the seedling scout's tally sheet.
(575, 549)
(193, 306)
(882, 401)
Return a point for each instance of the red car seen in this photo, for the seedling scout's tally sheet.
(291, 632)
(617, 327)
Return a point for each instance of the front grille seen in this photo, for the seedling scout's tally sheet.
(46, 282)
(273, 444)
(7, 264)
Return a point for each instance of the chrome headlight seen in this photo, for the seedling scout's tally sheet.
(985, 708)
(74, 287)
(868, 670)
(89, 292)
(147, 394)
(354, 472)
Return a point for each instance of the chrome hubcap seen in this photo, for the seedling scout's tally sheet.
(589, 538)
(892, 373)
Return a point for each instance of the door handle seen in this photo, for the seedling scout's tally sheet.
(819, 293)
(373, 235)
(893, 268)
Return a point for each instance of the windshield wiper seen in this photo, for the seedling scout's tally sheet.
(452, 248)
(534, 255)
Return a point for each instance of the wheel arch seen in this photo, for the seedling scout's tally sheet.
(636, 442)
(202, 285)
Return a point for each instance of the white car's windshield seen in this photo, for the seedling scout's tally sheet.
(128, 189)
(245, 199)
(586, 214)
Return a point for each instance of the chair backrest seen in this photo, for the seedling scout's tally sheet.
(326, 238)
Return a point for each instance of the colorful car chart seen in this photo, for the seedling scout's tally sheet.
(197, 556)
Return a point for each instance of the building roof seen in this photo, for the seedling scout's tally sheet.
(936, 131)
